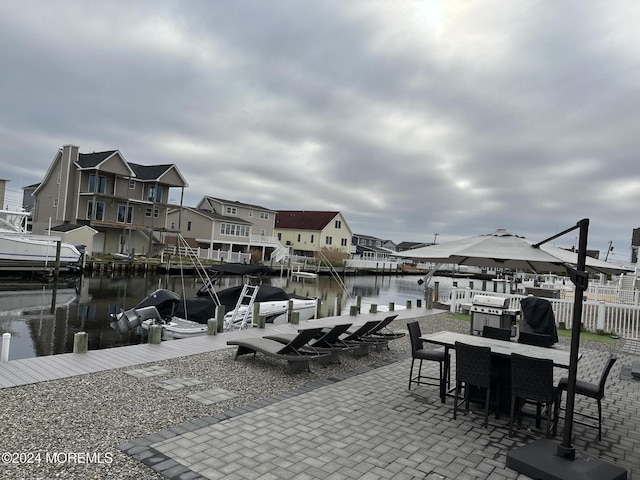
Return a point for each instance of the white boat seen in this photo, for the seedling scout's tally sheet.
(188, 317)
(21, 249)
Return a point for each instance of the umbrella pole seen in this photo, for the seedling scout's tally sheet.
(544, 459)
(580, 280)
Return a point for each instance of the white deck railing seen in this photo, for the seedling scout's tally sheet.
(611, 318)
(209, 254)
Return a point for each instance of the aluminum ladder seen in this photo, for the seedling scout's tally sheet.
(246, 299)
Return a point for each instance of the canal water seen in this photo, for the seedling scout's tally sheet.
(43, 321)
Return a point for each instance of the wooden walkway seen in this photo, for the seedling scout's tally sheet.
(55, 367)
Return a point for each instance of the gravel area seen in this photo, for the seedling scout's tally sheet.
(71, 428)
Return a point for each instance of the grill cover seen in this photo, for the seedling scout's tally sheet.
(537, 317)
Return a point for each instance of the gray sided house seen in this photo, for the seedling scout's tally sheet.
(125, 203)
(372, 248)
(226, 225)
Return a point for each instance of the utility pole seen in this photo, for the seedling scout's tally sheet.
(609, 250)
(435, 237)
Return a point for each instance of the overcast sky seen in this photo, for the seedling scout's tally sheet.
(412, 118)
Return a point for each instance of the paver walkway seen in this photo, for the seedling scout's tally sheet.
(366, 424)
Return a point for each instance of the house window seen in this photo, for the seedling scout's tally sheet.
(231, 210)
(189, 226)
(328, 240)
(173, 225)
(132, 184)
(97, 184)
(343, 242)
(154, 193)
(363, 241)
(234, 230)
(312, 237)
(148, 210)
(95, 210)
(264, 216)
(263, 232)
(250, 213)
(125, 214)
(299, 236)
(338, 224)
(55, 202)
(279, 236)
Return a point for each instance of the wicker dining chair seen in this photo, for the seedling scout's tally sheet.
(591, 390)
(532, 382)
(435, 355)
(473, 369)
(536, 339)
(496, 333)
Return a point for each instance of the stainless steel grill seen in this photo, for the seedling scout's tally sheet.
(492, 311)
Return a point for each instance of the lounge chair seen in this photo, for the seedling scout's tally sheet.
(359, 338)
(327, 341)
(297, 353)
(382, 332)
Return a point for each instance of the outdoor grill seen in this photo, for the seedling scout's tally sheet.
(492, 311)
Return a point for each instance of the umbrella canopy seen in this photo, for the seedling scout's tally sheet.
(502, 249)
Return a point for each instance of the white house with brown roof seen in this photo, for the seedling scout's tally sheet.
(306, 232)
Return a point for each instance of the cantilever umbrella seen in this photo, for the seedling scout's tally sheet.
(502, 249)
(543, 459)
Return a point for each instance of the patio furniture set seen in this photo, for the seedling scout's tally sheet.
(504, 375)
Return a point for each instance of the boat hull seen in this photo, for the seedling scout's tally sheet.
(22, 250)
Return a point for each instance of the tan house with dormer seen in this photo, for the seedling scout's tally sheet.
(125, 203)
(306, 232)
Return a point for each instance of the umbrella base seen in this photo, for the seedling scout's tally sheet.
(539, 460)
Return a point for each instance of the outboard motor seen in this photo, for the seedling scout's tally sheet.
(127, 321)
(159, 305)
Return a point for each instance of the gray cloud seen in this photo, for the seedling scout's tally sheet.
(412, 118)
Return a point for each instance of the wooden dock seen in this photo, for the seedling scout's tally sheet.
(55, 367)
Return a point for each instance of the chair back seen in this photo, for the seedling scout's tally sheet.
(473, 364)
(532, 378)
(536, 339)
(332, 337)
(362, 330)
(300, 340)
(496, 333)
(383, 324)
(605, 373)
(414, 336)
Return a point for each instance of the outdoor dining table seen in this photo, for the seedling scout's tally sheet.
(501, 351)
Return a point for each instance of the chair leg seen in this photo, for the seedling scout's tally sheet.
(486, 407)
(411, 373)
(513, 408)
(599, 420)
(455, 401)
(556, 413)
(549, 420)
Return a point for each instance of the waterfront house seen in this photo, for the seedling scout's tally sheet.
(306, 233)
(125, 203)
(226, 226)
(372, 248)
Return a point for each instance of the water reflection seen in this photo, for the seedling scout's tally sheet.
(37, 329)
